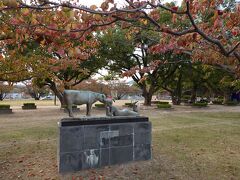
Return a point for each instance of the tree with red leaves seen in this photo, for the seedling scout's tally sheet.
(209, 31)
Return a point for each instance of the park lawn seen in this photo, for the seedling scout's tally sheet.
(185, 146)
(200, 145)
(21, 101)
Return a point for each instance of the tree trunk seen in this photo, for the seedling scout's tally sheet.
(147, 98)
(226, 96)
(176, 100)
(193, 94)
(147, 94)
(177, 93)
(2, 95)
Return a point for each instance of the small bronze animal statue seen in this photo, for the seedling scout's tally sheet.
(114, 111)
(82, 97)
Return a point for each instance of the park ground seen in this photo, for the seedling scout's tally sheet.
(187, 143)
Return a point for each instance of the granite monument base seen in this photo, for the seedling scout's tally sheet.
(94, 142)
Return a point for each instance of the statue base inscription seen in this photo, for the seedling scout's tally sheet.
(94, 142)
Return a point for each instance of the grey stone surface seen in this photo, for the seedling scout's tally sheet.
(92, 138)
(142, 152)
(72, 138)
(104, 157)
(94, 145)
(119, 155)
(71, 161)
(142, 127)
(124, 129)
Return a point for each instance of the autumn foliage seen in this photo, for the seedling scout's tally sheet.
(65, 29)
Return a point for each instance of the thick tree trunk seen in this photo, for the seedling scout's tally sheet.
(147, 94)
(147, 99)
(226, 96)
(176, 100)
(177, 93)
(2, 95)
(193, 94)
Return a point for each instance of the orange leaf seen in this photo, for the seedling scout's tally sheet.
(93, 7)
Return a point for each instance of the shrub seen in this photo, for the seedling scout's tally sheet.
(164, 106)
(29, 104)
(231, 103)
(217, 101)
(155, 102)
(200, 104)
(185, 100)
(4, 106)
(220, 97)
(204, 100)
(100, 105)
(129, 104)
(186, 97)
(163, 102)
(65, 106)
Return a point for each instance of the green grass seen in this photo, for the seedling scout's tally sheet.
(22, 101)
(203, 143)
(164, 106)
(32, 133)
(231, 103)
(200, 104)
(218, 101)
(4, 106)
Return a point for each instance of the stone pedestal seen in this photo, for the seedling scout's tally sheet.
(93, 142)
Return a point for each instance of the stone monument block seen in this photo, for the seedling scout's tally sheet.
(93, 142)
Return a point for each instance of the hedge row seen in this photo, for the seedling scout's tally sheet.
(4, 106)
(100, 105)
(200, 104)
(163, 106)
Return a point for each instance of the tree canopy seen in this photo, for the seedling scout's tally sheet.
(57, 38)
